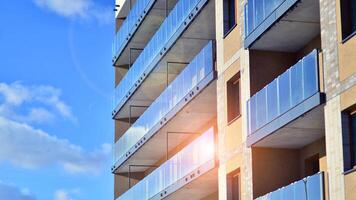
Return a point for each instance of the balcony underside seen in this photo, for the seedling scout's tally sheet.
(289, 28)
(186, 47)
(294, 129)
(194, 188)
(144, 32)
(196, 113)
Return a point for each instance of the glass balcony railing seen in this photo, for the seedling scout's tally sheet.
(194, 155)
(129, 26)
(309, 188)
(155, 49)
(289, 89)
(199, 68)
(256, 11)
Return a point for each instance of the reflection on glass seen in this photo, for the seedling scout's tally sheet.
(194, 155)
(289, 89)
(148, 58)
(309, 188)
(184, 83)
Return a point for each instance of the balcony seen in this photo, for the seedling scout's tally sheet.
(287, 113)
(190, 170)
(189, 99)
(281, 25)
(142, 19)
(309, 188)
(187, 29)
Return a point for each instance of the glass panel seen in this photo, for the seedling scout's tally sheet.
(259, 12)
(272, 100)
(299, 190)
(269, 6)
(310, 74)
(276, 195)
(153, 48)
(297, 83)
(314, 187)
(197, 153)
(250, 13)
(261, 108)
(253, 114)
(284, 92)
(288, 192)
(182, 85)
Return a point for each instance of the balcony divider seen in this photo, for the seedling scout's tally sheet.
(291, 88)
(309, 188)
(191, 80)
(174, 25)
(192, 158)
(130, 25)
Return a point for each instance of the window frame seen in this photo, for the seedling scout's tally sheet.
(236, 79)
(346, 20)
(227, 12)
(349, 139)
(230, 179)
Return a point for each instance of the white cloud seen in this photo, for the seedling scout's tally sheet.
(8, 191)
(61, 195)
(65, 194)
(16, 95)
(66, 7)
(83, 9)
(30, 148)
(39, 115)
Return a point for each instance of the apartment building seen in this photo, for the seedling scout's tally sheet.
(235, 99)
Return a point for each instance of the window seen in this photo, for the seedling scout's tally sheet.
(349, 139)
(348, 18)
(312, 165)
(233, 98)
(233, 185)
(229, 15)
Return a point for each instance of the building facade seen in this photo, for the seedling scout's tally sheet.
(235, 99)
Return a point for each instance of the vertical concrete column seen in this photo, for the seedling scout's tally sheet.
(333, 129)
(247, 192)
(247, 184)
(221, 112)
(334, 152)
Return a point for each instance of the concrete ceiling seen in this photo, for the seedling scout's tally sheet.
(295, 135)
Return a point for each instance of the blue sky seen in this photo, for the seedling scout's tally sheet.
(56, 81)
